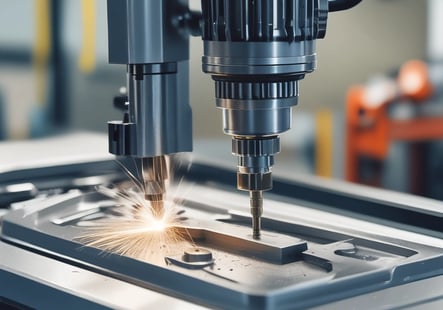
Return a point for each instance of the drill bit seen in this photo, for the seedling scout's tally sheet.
(155, 173)
(256, 203)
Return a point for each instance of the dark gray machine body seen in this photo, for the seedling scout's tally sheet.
(150, 37)
(323, 244)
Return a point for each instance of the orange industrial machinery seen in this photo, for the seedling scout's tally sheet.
(393, 109)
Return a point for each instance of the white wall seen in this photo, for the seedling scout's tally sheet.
(435, 30)
(376, 36)
(17, 23)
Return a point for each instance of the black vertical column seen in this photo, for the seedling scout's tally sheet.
(59, 99)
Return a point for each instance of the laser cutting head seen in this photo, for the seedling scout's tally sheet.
(150, 38)
(146, 36)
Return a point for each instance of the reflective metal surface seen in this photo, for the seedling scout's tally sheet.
(307, 255)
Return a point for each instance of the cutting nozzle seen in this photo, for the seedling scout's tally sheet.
(155, 173)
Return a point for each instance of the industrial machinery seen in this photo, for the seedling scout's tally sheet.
(406, 108)
(323, 244)
(256, 52)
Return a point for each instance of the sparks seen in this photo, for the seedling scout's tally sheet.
(138, 232)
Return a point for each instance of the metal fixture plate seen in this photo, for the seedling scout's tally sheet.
(340, 260)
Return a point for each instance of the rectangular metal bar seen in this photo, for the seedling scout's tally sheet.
(271, 247)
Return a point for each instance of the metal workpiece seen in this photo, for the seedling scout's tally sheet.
(270, 247)
(31, 278)
(306, 256)
(159, 117)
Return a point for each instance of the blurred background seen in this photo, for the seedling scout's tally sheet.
(372, 112)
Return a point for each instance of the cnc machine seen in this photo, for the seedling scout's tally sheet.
(316, 244)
